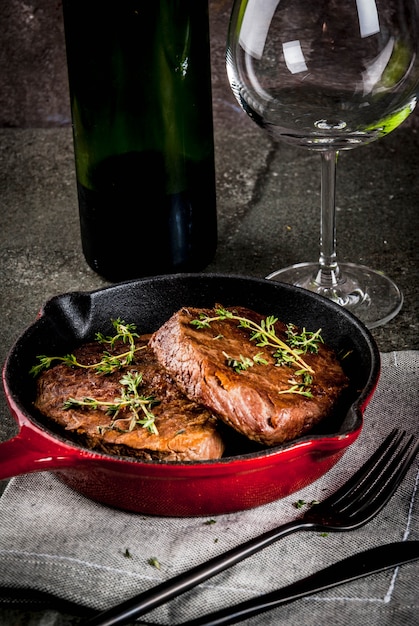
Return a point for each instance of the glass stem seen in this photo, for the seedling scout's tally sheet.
(328, 273)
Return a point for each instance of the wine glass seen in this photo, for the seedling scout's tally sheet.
(329, 75)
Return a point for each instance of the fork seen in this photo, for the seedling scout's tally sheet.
(354, 504)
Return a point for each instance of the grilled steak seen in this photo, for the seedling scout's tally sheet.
(186, 430)
(203, 363)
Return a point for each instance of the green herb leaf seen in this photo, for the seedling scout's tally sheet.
(285, 352)
(109, 362)
(138, 405)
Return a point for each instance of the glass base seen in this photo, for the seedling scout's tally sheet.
(368, 294)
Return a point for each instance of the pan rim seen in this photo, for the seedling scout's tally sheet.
(307, 440)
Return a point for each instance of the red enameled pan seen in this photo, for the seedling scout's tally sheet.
(239, 481)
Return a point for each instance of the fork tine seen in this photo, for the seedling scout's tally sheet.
(385, 449)
(385, 488)
(384, 471)
(378, 474)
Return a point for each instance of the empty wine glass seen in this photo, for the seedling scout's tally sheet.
(328, 75)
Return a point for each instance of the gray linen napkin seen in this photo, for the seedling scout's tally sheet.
(55, 540)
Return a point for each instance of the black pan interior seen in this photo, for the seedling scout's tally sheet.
(73, 318)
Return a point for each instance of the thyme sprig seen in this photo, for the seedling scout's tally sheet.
(302, 388)
(265, 336)
(244, 362)
(109, 362)
(138, 405)
(130, 399)
(287, 352)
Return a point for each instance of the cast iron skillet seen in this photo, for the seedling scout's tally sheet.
(243, 479)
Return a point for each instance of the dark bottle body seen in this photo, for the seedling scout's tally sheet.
(140, 87)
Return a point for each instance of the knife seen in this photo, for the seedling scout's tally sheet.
(353, 567)
(362, 564)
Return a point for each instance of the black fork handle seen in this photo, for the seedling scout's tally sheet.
(146, 601)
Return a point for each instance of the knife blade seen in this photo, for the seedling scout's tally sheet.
(351, 568)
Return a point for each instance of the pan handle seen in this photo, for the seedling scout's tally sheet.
(28, 452)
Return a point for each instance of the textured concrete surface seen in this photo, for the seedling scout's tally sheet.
(33, 72)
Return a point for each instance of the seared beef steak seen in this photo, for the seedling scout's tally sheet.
(200, 361)
(186, 430)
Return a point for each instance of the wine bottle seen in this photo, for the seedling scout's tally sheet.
(140, 89)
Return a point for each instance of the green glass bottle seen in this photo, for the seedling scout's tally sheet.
(140, 88)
